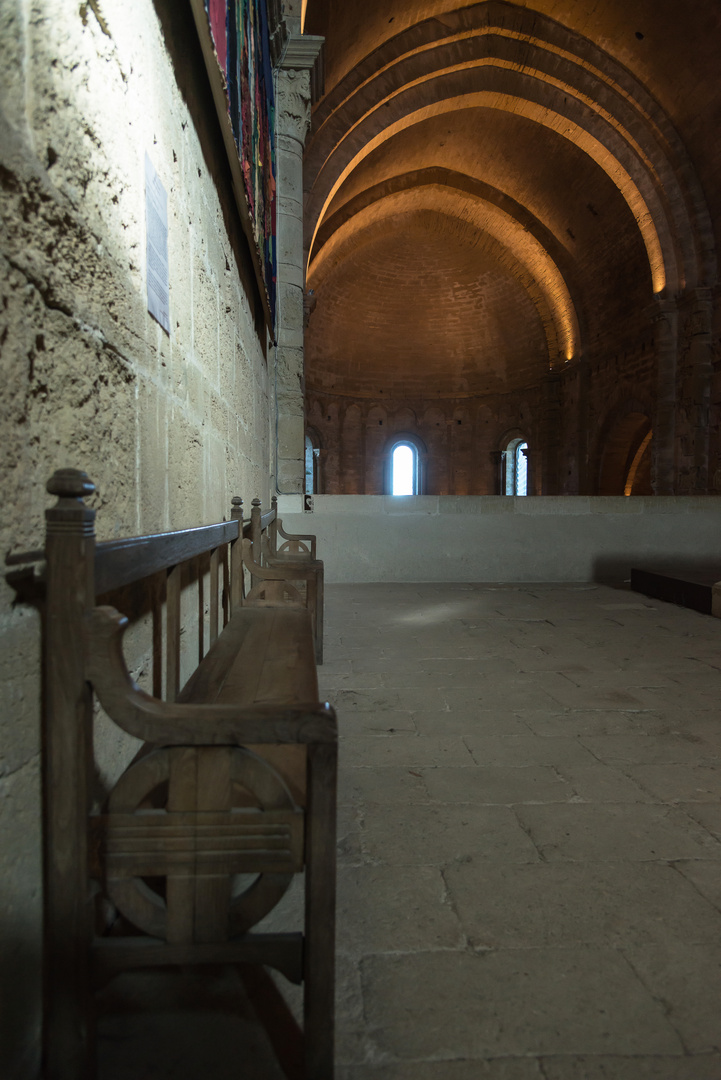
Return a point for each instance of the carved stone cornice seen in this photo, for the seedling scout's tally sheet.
(301, 52)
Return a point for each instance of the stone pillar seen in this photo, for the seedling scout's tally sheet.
(530, 490)
(697, 387)
(293, 102)
(583, 481)
(663, 444)
(550, 434)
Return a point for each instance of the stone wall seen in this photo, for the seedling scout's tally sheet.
(168, 426)
(502, 538)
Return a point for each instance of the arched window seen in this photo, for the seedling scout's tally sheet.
(516, 467)
(312, 453)
(404, 470)
(404, 465)
(521, 477)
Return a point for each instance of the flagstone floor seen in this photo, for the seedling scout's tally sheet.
(530, 833)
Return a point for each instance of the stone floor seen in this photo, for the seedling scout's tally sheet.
(530, 826)
(529, 843)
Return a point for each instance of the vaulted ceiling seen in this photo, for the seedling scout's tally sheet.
(494, 189)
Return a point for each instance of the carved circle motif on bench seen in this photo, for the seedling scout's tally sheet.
(294, 547)
(133, 896)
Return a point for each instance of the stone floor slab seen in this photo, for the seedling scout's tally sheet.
(603, 783)
(679, 783)
(380, 723)
(528, 750)
(436, 835)
(348, 701)
(705, 876)
(698, 1067)
(664, 749)
(394, 909)
(501, 721)
(607, 832)
(565, 904)
(498, 785)
(514, 1002)
(706, 814)
(410, 751)
(393, 784)
(687, 979)
(514, 692)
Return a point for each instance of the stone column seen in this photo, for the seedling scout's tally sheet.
(550, 434)
(697, 388)
(583, 485)
(530, 490)
(663, 444)
(293, 103)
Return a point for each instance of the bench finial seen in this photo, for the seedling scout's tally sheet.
(70, 484)
(256, 502)
(236, 512)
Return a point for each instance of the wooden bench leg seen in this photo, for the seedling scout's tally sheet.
(319, 958)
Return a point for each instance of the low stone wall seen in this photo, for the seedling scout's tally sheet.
(498, 538)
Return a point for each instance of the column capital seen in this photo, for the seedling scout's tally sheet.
(301, 52)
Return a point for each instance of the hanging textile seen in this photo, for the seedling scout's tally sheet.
(239, 31)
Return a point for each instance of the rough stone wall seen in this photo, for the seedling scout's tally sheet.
(567, 419)
(167, 426)
(460, 436)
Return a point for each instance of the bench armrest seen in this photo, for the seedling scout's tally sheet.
(305, 537)
(171, 724)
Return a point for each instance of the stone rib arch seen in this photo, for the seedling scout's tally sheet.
(377, 130)
(659, 182)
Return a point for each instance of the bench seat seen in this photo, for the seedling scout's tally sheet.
(265, 655)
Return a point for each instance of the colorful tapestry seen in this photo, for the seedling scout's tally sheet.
(239, 29)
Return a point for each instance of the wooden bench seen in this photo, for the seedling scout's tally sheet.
(237, 775)
(296, 552)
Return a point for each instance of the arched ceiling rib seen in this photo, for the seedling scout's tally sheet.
(377, 129)
(539, 66)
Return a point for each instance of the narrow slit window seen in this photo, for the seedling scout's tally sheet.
(521, 470)
(404, 476)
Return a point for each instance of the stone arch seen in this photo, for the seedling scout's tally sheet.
(625, 431)
(515, 59)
